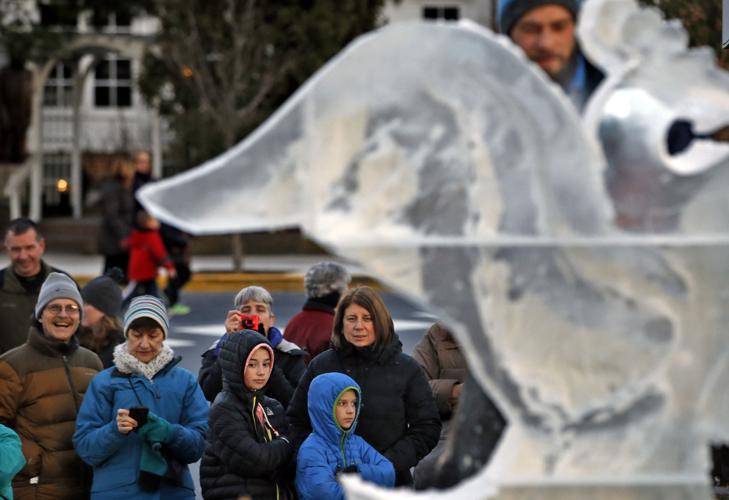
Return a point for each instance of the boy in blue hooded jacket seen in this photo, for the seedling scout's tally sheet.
(334, 403)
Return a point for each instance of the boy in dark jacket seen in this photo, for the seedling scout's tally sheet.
(246, 451)
(332, 447)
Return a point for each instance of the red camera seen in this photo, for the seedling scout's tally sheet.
(249, 322)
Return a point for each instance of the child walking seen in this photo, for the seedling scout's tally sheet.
(332, 447)
(246, 451)
(146, 254)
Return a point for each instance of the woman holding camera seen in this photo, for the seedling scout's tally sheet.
(398, 416)
(144, 419)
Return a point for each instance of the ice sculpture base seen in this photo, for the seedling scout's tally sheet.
(671, 491)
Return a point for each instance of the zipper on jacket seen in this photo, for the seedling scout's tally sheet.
(341, 447)
(74, 392)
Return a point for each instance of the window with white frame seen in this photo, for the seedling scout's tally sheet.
(113, 83)
(116, 22)
(441, 12)
(58, 91)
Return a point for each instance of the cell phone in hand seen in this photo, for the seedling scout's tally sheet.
(139, 413)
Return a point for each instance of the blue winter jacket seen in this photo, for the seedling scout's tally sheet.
(11, 460)
(172, 394)
(330, 447)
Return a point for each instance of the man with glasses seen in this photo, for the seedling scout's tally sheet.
(42, 383)
(21, 281)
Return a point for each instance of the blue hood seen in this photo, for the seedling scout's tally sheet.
(324, 392)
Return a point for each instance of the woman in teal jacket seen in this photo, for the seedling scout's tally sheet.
(332, 447)
(131, 458)
(11, 460)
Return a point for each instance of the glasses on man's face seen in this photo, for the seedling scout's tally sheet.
(71, 309)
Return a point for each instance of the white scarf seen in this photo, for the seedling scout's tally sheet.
(125, 362)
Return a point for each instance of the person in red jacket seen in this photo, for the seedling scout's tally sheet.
(146, 255)
(311, 328)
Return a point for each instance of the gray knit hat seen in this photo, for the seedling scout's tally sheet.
(147, 306)
(57, 286)
(510, 11)
(104, 293)
(324, 278)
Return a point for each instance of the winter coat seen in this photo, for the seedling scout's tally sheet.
(399, 417)
(311, 328)
(146, 255)
(330, 448)
(245, 453)
(42, 384)
(287, 371)
(11, 460)
(172, 394)
(117, 210)
(439, 355)
(17, 305)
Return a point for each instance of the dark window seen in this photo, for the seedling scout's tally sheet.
(102, 96)
(430, 13)
(123, 18)
(451, 13)
(57, 15)
(124, 97)
(433, 13)
(124, 69)
(113, 83)
(101, 71)
(58, 90)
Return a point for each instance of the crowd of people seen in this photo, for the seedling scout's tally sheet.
(94, 404)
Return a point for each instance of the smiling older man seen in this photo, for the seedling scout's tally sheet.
(42, 383)
(21, 281)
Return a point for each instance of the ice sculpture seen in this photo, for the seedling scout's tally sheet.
(451, 169)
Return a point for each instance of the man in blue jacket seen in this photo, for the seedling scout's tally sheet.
(545, 31)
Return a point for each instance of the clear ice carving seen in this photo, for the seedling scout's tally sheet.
(451, 169)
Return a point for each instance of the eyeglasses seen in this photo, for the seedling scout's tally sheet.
(71, 309)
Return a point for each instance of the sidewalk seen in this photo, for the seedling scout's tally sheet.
(214, 273)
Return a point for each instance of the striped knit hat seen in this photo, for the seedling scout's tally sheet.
(147, 306)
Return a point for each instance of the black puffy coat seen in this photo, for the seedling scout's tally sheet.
(242, 456)
(287, 371)
(398, 416)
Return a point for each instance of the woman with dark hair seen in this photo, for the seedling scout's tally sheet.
(101, 327)
(400, 418)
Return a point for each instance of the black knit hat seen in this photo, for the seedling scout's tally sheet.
(104, 292)
(510, 11)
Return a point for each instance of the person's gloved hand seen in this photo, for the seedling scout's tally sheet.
(156, 430)
(274, 336)
(350, 469)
